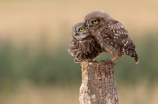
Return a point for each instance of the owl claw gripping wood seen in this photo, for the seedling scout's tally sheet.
(111, 35)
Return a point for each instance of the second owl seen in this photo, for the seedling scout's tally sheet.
(84, 46)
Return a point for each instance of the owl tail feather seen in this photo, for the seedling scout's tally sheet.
(136, 60)
(132, 53)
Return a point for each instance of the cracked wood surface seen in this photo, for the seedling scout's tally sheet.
(98, 83)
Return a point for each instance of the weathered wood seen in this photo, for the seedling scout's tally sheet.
(98, 83)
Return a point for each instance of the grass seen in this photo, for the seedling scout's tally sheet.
(53, 94)
(43, 66)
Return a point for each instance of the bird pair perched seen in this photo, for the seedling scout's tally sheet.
(100, 33)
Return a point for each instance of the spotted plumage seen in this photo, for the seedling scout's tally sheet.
(111, 35)
(84, 46)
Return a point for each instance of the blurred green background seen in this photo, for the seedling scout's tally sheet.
(36, 68)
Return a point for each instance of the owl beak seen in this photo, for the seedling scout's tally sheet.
(75, 34)
(88, 25)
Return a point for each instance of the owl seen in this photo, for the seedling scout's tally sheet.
(111, 35)
(84, 46)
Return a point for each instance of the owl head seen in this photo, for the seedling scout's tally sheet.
(80, 31)
(95, 19)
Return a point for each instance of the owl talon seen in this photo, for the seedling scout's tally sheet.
(90, 61)
(114, 62)
(94, 61)
(107, 61)
(102, 61)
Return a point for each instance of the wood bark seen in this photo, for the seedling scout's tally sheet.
(98, 83)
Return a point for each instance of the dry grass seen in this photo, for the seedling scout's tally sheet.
(29, 94)
(25, 21)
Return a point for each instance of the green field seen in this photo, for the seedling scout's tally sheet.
(24, 76)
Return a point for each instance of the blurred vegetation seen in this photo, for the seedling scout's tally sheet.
(57, 66)
(35, 66)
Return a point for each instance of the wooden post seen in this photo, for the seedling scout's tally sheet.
(98, 83)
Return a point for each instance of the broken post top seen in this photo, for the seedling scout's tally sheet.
(105, 68)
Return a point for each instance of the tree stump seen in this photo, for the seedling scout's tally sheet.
(98, 83)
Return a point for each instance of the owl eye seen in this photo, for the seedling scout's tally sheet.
(81, 29)
(95, 21)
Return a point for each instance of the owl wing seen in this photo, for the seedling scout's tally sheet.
(79, 50)
(74, 48)
(116, 34)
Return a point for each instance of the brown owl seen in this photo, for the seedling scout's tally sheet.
(84, 46)
(111, 34)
